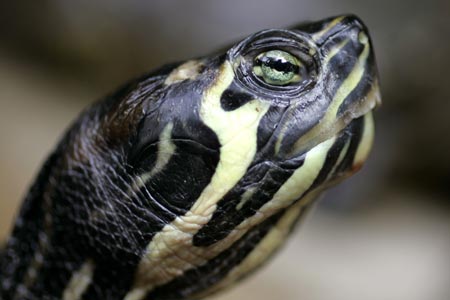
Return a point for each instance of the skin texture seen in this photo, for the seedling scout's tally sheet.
(190, 177)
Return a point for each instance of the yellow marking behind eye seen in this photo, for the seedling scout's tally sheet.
(79, 282)
(171, 251)
(237, 134)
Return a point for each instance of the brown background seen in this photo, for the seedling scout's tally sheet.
(384, 234)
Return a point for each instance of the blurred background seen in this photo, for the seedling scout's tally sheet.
(383, 234)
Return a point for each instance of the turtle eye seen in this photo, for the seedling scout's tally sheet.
(277, 67)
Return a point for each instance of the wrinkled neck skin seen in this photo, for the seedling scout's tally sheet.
(190, 177)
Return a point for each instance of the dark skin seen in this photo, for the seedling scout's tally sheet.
(85, 206)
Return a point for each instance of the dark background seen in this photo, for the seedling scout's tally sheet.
(383, 234)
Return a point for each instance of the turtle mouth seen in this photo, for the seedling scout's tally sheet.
(339, 156)
(340, 149)
(351, 140)
(343, 125)
(362, 107)
(356, 123)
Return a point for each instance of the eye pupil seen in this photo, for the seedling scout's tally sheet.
(277, 67)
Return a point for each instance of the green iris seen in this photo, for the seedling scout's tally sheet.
(277, 67)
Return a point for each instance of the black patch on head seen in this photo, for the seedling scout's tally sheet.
(175, 188)
(178, 104)
(234, 97)
(183, 179)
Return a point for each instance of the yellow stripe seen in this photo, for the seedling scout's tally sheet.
(340, 158)
(289, 192)
(245, 197)
(237, 133)
(270, 243)
(171, 251)
(166, 149)
(288, 125)
(330, 26)
(301, 180)
(329, 125)
(333, 51)
(366, 142)
(79, 282)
